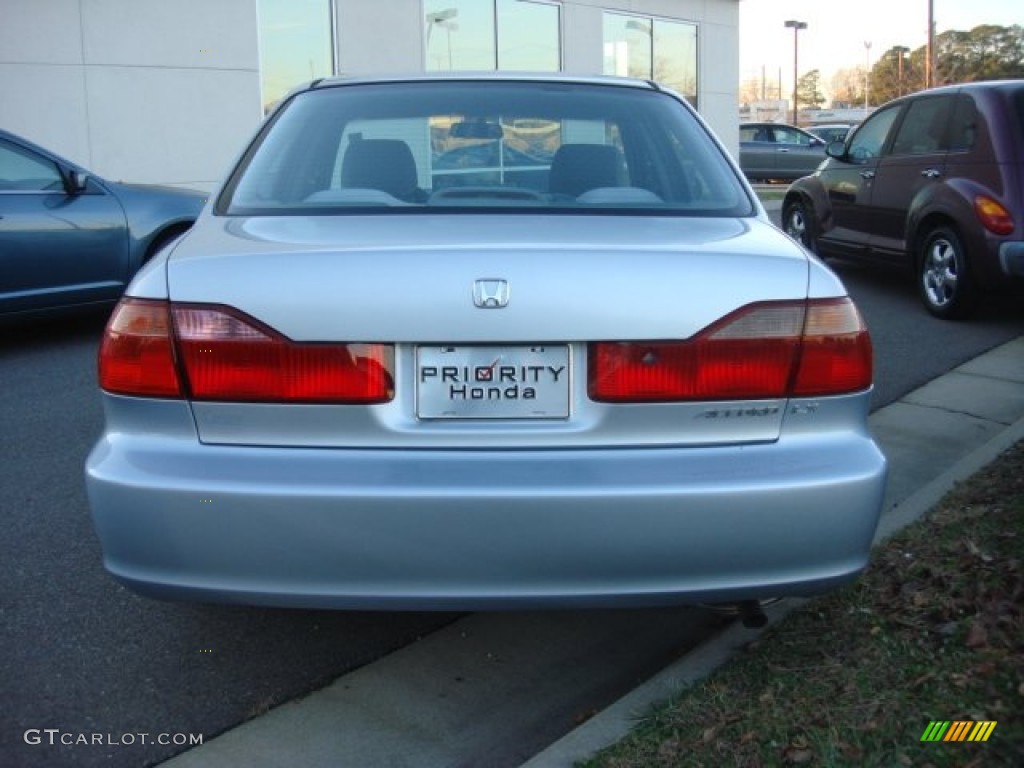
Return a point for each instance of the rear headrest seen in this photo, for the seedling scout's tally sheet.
(577, 168)
(384, 164)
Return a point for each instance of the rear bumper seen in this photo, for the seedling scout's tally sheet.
(395, 529)
(1011, 259)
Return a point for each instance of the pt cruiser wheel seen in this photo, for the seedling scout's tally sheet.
(797, 223)
(943, 279)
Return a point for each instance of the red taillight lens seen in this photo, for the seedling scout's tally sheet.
(762, 351)
(227, 356)
(993, 216)
(137, 355)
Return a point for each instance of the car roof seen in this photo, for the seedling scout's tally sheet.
(993, 85)
(981, 85)
(490, 77)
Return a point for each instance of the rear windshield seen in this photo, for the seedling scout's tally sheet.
(471, 146)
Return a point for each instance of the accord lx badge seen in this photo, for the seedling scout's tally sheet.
(490, 293)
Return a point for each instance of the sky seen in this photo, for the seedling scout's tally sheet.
(837, 29)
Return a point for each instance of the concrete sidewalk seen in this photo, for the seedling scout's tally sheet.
(488, 689)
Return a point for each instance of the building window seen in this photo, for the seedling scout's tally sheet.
(529, 36)
(500, 34)
(654, 49)
(296, 45)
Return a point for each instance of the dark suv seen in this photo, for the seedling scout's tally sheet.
(933, 181)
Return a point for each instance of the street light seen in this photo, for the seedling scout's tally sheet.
(796, 26)
(900, 51)
(443, 19)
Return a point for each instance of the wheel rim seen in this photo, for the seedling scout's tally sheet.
(796, 224)
(940, 272)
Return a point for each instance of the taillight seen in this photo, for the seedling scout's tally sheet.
(762, 351)
(137, 355)
(227, 356)
(993, 216)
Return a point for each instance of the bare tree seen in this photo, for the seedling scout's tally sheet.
(847, 87)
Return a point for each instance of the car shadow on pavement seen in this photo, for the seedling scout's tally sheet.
(55, 329)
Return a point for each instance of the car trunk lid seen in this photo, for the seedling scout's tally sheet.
(417, 282)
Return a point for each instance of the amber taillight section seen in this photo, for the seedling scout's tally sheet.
(993, 215)
(137, 352)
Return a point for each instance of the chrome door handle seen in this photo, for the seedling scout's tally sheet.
(931, 173)
(867, 175)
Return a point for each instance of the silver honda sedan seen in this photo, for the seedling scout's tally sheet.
(482, 342)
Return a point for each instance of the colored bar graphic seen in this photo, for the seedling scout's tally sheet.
(935, 731)
(958, 730)
(982, 730)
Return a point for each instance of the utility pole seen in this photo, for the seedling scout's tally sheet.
(929, 56)
(900, 51)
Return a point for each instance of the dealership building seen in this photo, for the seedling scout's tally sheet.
(168, 91)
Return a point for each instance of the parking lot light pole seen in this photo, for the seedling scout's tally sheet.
(796, 26)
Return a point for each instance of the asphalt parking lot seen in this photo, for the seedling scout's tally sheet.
(85, 656)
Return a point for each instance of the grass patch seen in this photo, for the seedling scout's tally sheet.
(934, 630)
(775, 193)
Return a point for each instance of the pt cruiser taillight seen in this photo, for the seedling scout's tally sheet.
(762, 351)
(203, 352)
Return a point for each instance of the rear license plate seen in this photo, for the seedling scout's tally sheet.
(527, 382)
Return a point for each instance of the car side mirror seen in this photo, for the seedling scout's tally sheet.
(836, 149)
(76, 182)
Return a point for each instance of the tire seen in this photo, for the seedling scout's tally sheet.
(943, 278)
(797, 223)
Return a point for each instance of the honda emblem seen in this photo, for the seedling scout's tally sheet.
(490, 293)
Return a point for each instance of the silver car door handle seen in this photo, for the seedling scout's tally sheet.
(782, 149)
(931, 173)
(867, 174)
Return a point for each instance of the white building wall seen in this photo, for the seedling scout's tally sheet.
(144, 90)
(168, 91)
(718, 49)
(379, 36)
